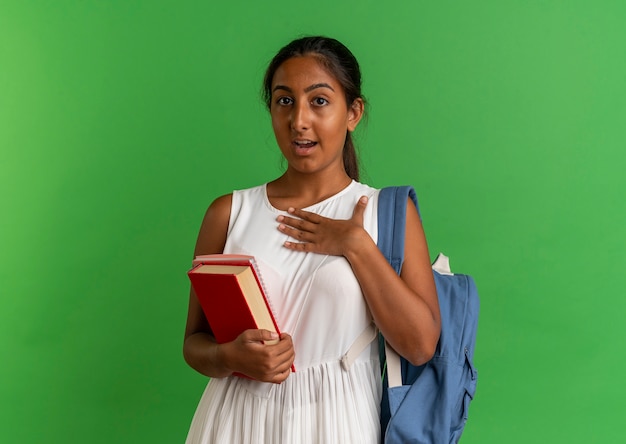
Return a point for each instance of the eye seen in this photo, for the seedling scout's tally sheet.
(284, 101)
(320, 101)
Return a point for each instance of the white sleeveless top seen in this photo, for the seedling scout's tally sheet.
(318, 301)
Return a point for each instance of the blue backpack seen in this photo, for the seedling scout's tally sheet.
(430, 404)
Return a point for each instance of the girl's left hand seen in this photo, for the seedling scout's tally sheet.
(318, 234)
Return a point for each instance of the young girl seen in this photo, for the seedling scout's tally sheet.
(313, 232)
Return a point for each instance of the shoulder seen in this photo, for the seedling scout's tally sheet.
(215, 225)
(214, 228)
(358, 189)
(218, 212)
(363, 187)
(221, 207)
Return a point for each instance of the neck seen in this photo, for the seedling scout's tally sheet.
(301, 190)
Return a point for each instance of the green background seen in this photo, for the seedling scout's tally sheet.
(120, 121)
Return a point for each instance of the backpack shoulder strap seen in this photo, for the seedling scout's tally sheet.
(392, 203)
(392, 222)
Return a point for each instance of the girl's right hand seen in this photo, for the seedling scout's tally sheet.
(250, 355)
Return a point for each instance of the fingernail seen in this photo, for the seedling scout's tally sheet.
(291, 210)
(280, 218)
(364, 199)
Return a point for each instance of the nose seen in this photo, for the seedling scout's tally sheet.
(300, 116)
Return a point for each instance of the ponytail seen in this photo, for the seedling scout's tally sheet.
(350, 159)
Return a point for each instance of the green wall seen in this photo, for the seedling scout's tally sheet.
(120, 121)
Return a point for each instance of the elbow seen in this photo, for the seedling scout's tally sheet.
(186, 353)
(192, 350)
(423, 350)
(421, 356)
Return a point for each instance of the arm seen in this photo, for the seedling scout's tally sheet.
(247, 354)
(405, 308)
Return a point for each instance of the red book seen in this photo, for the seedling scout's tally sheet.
(232, 295)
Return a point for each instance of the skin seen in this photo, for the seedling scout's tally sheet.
(310, 118)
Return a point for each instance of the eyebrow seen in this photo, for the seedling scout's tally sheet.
(307, 89)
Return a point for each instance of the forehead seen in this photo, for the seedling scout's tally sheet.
(303, 71)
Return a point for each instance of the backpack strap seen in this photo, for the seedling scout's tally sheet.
(363, 340)
(392, 217)
(392, 202)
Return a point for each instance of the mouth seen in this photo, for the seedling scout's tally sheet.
(303, 146)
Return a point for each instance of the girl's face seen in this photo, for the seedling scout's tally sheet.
(310, 116)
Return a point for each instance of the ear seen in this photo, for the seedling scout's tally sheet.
(355, 112)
